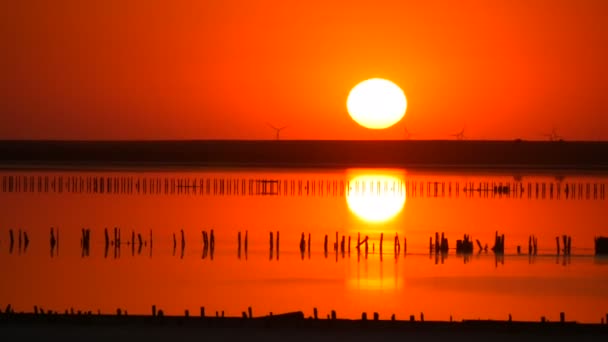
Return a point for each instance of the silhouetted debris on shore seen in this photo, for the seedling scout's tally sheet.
(601, 247)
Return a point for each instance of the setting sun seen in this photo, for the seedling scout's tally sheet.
(376, 103)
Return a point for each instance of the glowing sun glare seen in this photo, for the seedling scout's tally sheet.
(376, 103)
(376, 198)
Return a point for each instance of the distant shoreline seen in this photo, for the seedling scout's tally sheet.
(440, 154)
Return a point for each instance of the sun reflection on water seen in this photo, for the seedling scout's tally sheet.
(376, 196)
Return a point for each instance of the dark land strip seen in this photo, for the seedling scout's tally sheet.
(555, 155)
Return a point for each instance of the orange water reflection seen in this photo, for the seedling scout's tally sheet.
(348, 283)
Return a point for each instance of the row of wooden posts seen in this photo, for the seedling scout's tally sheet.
(341, 244)
(248, 314)
(286, 187)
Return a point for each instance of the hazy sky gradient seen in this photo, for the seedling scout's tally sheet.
(142, 69)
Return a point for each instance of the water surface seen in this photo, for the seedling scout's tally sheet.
(413, 205)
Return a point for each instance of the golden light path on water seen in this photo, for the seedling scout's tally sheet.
(376, 197)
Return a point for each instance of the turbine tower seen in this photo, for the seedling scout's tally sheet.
(277, 130)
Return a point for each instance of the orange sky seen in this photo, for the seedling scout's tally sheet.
(144, 69)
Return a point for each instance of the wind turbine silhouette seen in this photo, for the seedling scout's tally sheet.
(553, 136)
(408, 134)
(277, 129)
(459, 135)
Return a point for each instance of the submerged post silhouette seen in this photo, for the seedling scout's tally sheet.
(309, 245)
(239, 244)
(11, 239)
(277, 244)
(183, 240)
(246, 242)
(26, 241)
(302, 245)
(52, 241)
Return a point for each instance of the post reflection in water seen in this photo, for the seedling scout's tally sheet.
(202, 221)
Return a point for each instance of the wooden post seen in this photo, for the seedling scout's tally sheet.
(437, 247)
(396, 244)
(302, 244)
(153, 310)
(309, 243)
(212, 241)
(376, 316)
(277, 242)
(250, 310)
(349, 244)
(246, 241)
(336, 244)
(562, 317)
(557, 242)
(315, 313)
(381, 238)
(325, 244)
(202, 312)
(333, 314)
(271, 241)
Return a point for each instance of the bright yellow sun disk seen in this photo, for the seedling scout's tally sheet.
(376, 103)
(376, 198)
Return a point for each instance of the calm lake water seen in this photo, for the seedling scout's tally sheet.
(414, 205)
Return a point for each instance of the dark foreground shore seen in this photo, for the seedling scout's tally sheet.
(310, 153)
(288, 328)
